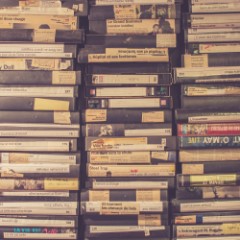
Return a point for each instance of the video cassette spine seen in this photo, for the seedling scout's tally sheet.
(101, 54)
(38, 91)
(43, 35)
(38, 132)
(26, 48)
(204, 155)
(210, 167)
(37, 104)
(195, 116)
(24, 21)
(26, 64)
(209, 142)
(126, 2)
(230, 7)
(37, 232)
(38, 117)
(134, 26)
(38, 145)
(208, 180)
(227, 192)
(124, 195)
(221, 20)
(215, 103)
(209, 129)
(41, 204)
(208, 48)
(206, 218)
(140, 220)
(158, 170)
(33, 158)
(211, 60)
(193, 206)
(115, 103)
(223, 229)
(39, 211)
(131, 183)
(152, 143)
(203, 75)
(127, 116)
(131, 157)
(192, 90)
(40, 196)
(221, 36)
(39, 184)
(127, 231)
(147, 129)
(102, 92)
(130, 68)
(79, 7)
(136, 11)
(39, 170)
(128, 80)
(39, 221)
(123, 208)
(161, 40)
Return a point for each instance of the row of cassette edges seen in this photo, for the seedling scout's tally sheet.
(128, 121)
(207, 204)
(40, 118)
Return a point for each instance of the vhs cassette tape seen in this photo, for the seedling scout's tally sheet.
(108, 92)
(20, 64)
(134, 26)
(123, 208)
(130, 143)
(226, 192)
(139, 183)
(114, 103)
(208, 180)
(128, 130)
(33, 158)
(42, 35)
(124, 195)
(101, 54)
(193, 206)
(204, 155)
(129, 68)
(39, 184)
(131, 157)
(111, 80)
(132, 116)
(135, 11)
(161, 40)
(24, 117)
(111, 171)
(140, 220)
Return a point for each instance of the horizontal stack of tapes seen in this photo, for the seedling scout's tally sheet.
(208, 199)
(130, 149)
(39, 128)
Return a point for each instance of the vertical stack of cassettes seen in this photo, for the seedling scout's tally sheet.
(208, 199)
(129, 145)
(39, 122)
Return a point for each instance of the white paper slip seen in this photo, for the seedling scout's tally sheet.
(124, 79)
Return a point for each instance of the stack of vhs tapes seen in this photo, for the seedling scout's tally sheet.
(130, 149)
(208, 199)
(39, 122)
